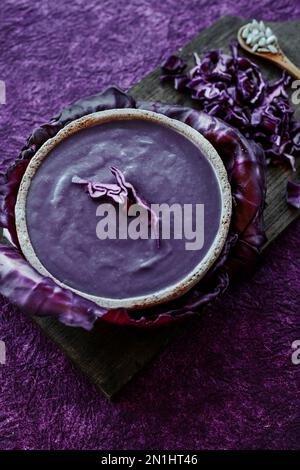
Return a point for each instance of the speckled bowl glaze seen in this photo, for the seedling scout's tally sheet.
(197, 139)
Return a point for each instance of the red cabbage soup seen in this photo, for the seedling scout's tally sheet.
(161, 164)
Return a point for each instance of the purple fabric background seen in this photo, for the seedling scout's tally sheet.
(227, 381)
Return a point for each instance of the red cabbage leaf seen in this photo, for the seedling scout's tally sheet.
(39, 295)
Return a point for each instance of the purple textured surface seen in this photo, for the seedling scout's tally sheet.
(228, 380)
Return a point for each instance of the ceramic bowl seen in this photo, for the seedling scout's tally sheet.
(189, 133)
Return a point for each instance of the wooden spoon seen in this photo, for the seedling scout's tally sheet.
(278, 58)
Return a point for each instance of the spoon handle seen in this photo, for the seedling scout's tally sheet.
(286, 64)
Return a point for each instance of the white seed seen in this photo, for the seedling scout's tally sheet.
(272, 49)
(245, 32)
(255, 39)
(269, 32)
(262, 42)
(249, 39)
(260, 37)
(271, 39)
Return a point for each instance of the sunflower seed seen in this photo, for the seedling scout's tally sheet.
(255, 39)
(262, 42)
(258, 34)
(245, 32)
(272, 49)
(269, 32)
(271, 39)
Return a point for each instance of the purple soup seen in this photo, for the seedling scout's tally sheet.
(163, 166)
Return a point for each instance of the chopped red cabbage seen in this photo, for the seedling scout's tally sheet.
(173, 65)
(293, 194)
(173, 70)
(120, 192)
(96, 190)
(232, 88)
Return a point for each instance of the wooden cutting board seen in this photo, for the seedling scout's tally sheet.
(110, 356)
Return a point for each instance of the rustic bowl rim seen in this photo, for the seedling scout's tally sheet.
(167, 293)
